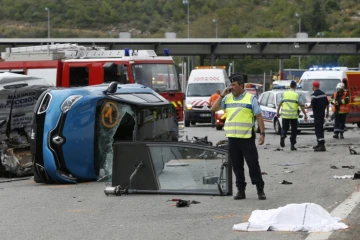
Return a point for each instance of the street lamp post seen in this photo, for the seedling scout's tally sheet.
(48, 10)
(298, 16)
(188, 31)
(216, 29)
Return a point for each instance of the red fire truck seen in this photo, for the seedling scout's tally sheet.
(70, 65)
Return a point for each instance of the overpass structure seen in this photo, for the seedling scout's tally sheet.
(223, 48)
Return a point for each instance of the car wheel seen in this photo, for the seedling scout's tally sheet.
(298, 131)
(193, 122)
(277, 127)
(187, 123)
(219, 127)
(37, 177)
(358, 124)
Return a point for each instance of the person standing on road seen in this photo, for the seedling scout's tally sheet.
(319, 103)
(290, 104)
(241, 107)
(212, 100)
(340, 100)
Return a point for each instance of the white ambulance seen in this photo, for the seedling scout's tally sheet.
(203, 82)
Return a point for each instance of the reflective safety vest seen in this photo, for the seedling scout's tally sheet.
(290, 105)
(344, 108)
(239, 117)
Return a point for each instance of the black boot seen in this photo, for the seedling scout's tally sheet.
(261, 194)
(336, 135)
(341, 136)
(321, 148)
(282, 141)
(293, 148)
(315, 147)
(240, 195)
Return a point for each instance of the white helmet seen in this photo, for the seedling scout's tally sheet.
(340, 86)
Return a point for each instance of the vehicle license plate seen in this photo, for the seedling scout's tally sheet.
(307, 121)
(205, 115)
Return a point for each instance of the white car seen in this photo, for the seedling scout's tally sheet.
(269, 101)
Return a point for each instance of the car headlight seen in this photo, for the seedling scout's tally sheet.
(181, 126)
(188, 106)
(220, 112)
(69, 102)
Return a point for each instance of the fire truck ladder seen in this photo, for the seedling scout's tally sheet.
(70, 51)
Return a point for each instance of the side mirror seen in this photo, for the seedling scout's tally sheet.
(271, 105)
(112, 88)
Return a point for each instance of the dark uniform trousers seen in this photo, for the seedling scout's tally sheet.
(240, 148)
(319, 129)
(286, 123)
(340, 120)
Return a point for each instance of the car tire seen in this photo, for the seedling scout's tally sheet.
(358, 124)
(193, 123)
(277, 127)
(37, 177)
(298, 131)
(219, 128)
(187, 123)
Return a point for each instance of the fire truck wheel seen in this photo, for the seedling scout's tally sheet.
(219, 127)
(187, 123)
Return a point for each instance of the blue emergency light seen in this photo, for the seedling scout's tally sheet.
(166, 52)
(127, 52)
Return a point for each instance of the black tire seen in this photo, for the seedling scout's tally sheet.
(37, 177)
(219, 128)
(187, 123)
(298, 131)
(358, 124)
(277, 127)
(193, 123)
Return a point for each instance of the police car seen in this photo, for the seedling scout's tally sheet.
(269, 101)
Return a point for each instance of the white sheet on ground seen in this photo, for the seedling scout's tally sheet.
(307, 217)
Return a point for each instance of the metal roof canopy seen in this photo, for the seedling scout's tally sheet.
(224, 48)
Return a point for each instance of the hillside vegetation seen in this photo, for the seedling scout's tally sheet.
(152, 18)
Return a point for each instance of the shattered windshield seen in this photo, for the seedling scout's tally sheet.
(204, 89)
(119, 122)
(159, 77)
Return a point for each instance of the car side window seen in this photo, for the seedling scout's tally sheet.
(279, 97)
(271, 99)
(264, 99)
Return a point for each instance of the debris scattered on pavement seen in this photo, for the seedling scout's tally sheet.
(334, 167)
(290, 164)
(182, 203)
(263, 173)
(352, 151)
(344, 177)
(285, 182)
(289, 171)
(349, 167)
(279, 149)
(357, 175)
(305, 217)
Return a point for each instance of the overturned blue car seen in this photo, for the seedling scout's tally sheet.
(74, 129)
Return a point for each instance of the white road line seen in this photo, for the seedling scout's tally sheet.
(341, 211)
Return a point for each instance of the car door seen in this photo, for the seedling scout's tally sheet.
(265, 110)
(171, 168)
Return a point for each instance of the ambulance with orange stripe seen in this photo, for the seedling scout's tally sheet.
(203, 82)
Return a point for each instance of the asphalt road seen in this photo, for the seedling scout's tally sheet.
(37, 211)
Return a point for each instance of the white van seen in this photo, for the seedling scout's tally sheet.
(327, 77)
(203, 82)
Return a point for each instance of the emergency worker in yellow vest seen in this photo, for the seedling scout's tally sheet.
(340, 100)
(241, 107)
(289, 106)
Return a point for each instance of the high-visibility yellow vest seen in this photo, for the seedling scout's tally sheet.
(290, 105)
(239, 117)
